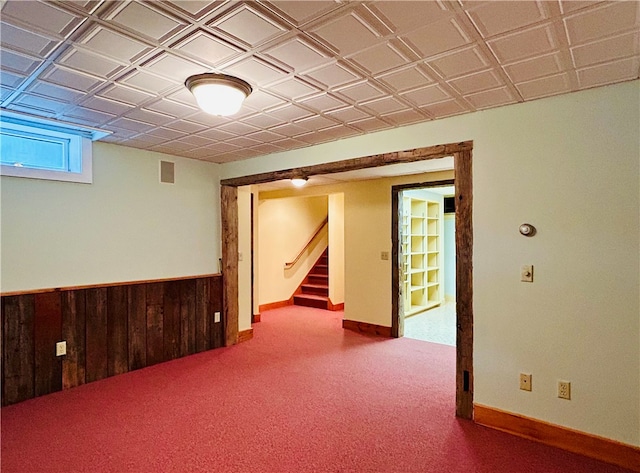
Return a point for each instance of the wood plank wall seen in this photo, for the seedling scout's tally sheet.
(109, 330)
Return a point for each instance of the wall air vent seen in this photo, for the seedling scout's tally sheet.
(167, 172)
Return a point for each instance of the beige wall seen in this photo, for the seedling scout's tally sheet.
(244, 258)
(336, 248)
(285, 226)
(126, 226)
(570, 165)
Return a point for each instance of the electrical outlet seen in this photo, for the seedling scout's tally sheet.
(564, 390)
(216, 317)
(525, 382)
(61, 348)
(526, 273)
(384, 255)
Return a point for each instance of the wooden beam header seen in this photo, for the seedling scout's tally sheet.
(354, 164)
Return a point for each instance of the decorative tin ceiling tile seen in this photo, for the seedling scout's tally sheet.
(544, 87)
(28, 42)
(301, 12)
(294, 89)
(361, 92)
(146, 20)
(427, 95)
(404, 117)
(150, 117)
(41, 16)
(70, 78)
(460, 62)
(348, 114)
(249, 25)
(298, 54)
(492, 18)
(404, 16)
(89, 62)
(491, 98)
(125, 94)
(384, 105)
(524, 44)
(608, 73)
(173, 68)
(370, 124)
(438, 37)
(316, 122)
(107, 106)
(382, 57)
(256, 71)
(207, 48)
(20, 63)
(405, 79)
(290, 112)
(196, 9)
(289, 130)
(617, 47)
(477, 82)
(534, 68)
(444, 109)
(347, 34)
(55, 92)
(89, 116)
(147, 82)
(334, 75)
(114, 45)
(611, 18)
(323, 103)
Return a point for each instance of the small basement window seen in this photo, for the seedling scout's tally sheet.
(41, 149)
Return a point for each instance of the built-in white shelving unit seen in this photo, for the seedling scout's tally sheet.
(421, 247)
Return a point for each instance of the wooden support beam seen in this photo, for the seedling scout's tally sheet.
(464, 284)
(377, 160)
(229, 211)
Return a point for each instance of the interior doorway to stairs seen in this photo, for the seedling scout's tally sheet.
(299, 248)
(428, 263)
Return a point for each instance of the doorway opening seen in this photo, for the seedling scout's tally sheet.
(427, 261)
(462, 154)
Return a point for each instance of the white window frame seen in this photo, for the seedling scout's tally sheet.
(79, 152)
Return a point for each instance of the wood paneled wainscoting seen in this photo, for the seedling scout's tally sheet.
(109, 330)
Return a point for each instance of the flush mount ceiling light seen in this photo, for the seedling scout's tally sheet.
(218, 94)
(299, 181)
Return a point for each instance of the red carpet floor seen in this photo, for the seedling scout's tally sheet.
(302, 396)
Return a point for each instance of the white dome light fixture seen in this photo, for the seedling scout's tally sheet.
(218, 94)
(299, 181)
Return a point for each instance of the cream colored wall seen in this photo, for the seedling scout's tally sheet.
(126, 226)
(244, 258)
(570, 166)
(285, 226)
(336, 248)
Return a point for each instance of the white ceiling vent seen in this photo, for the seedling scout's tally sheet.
(167, 172)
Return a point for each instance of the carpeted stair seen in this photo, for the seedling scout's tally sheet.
(314, 290)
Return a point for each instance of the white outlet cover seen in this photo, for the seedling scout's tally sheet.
(61, 348)
(216, 317)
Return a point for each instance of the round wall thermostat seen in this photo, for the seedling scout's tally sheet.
(527, 229)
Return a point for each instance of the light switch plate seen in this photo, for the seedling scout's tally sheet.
(216, 317)
(61, 348)
(526, 273)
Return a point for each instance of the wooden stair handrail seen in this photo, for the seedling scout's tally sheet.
(315, 234)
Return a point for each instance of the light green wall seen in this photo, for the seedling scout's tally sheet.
(570, 165)
(126, 226)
